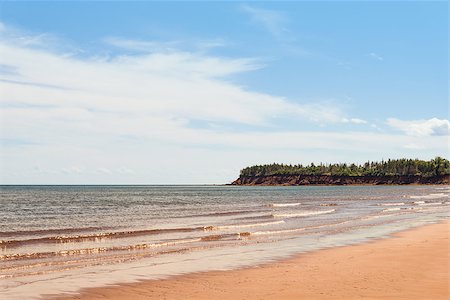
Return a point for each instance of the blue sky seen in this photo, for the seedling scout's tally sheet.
(190, 92)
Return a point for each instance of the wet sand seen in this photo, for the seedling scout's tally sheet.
(409, 265)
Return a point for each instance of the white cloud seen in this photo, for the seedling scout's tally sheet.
(375, 126)
(210, 44)
(72, 170)
(162, 88)
(414, 146)
(354, 121)
(431, 127)
(376, 56)
(103, 171)
(142, 46)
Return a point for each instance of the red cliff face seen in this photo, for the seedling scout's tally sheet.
(338, 180)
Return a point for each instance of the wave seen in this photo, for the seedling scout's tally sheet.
(304, 213)
(430, 203)
(54, 266)
(399, 211)
(98, 250)
(97, 236)
(257, 217)
(225, 213)
(377, 217)
(392, 204)
(431, 196)
(425, 203)
(284, 204)
(400, 208)
(51, 231)
(124, 234)
(272, 232)
(246, 225)
(392, 209)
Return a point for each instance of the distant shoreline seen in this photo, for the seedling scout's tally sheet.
(335, 180)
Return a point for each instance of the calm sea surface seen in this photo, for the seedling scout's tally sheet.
(58, 239)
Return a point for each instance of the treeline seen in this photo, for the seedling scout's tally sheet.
(434, 167)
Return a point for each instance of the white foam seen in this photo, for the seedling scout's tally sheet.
(431, 196)
(278, 231)
(401, 208)
(379, 216)
(304, 213)
(284, 204)
(392, 209)
(430, 203)
(392, 204)
(297, 229)
(419, 202)
(247, 225)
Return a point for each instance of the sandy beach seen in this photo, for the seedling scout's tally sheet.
(413, 264)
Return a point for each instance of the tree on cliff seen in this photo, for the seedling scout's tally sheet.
(404, 167)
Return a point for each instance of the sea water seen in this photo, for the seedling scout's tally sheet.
(59, 239)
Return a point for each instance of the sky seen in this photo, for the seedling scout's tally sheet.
(192, 92)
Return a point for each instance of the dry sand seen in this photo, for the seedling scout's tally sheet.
(410, 265)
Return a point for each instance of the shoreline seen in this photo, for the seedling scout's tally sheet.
(411, 264)
(339, 180)
(347, 184)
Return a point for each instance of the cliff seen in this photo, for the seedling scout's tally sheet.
(339, 180)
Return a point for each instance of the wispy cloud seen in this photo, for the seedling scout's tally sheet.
(276, 24)
(271, 20)
(431, 127)
(145, 46)
(142, 46)
(158, 87)
(354, 121)
(376, 56)
(211, 43)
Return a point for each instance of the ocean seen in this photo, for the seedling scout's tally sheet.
(59, 239)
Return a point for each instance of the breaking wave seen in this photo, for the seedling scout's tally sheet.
(430, 203)
(97, 236)
(95, 250)
(293, 230)
(304, 213)
(245, 225)
(431, 196)
(400, 209)
(225, 213)
(284, 204)
(50, 231)
(126, 234)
